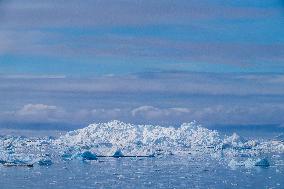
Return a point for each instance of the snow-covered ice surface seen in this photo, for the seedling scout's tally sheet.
(120, 155)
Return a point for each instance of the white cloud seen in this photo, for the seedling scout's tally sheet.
(151, 112)
(180, 110)
(40, 112)
(32, 109)
(148, 111)
(111, 113)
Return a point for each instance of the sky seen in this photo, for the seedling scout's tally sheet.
(65, 64)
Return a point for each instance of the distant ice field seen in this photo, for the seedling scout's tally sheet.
(122, 155)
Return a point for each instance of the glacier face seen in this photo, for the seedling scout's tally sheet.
(119, 139)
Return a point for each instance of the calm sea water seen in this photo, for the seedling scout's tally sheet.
(166, 172)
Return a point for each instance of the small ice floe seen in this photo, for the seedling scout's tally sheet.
(87, 155)
(238, 143)
(280, 137)
(16, 163)
(66, 156)
(44, 162)
(262, 163)
(234, 164)
(118, 153)
(9, 164)
(2, 161)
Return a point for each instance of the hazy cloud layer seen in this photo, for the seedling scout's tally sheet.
(162, 98)
(177, 83)
(134, 35)
(75, 62)
(35, 43)
(60, 13)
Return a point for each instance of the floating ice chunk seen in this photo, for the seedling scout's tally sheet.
(117, 154)
(280, 137)
(225, 146)
(251, 143)
(233, 141)
(87, 155)
(249, 163)
(2, 161)
(233, 164)
(262, 163)
(44, 162)
(66, 156)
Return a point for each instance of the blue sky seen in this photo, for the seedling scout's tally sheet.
(83, 61)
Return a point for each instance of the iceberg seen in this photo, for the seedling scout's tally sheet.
(87, 155)
(262, 163)
(118, 154)
(117, 139)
